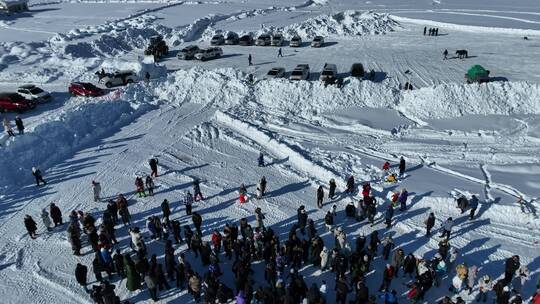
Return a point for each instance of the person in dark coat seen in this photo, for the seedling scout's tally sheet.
(511, 266)
(388, 216)
(97, 267)
(409, 265)
(302, 219)
(197, 222)
(320, 197)
(56, 215)
(401, 166)
(30, 225)
(197, 194)
(151, 284)
(20, 125)
(388, 275)
(133, 281)
(430, 223)
(362, 293)
(153, 162)
(473, 204)
(37, 175)
(350, 185)
(165, 208)
(332, 189)
(342, 289)
(150, 185)
(107, 293)
(81, 273)
(425, 30)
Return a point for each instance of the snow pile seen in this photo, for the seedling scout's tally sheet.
(345, 24)
(139, 67)
(61, 134)
(453, 100)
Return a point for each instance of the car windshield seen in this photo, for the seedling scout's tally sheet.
(328, 73)
(296, 73)
(317, 39)
(36, 91)
(89, 86)
(216, 37)
(296, 38)
(273, 72)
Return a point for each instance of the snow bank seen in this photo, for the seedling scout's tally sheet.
(278, 148)
(61, 134)
(140, 67)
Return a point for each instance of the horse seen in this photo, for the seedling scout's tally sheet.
(462, 54)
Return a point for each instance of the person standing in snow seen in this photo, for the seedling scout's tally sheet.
(445, 54)
(197, 222)
(165, 208)
(388, 275)
(56, 215)
(279, 53)
(350, 185)
(37, 175)
(147, 76)
(388, 216)
(150, 185)
(7, 128)
(30, 225)
(332, 190)
(249, 60)
(447, 228)
(81, 273)
(242, 194)
(521, 276)
(329, 220)
(320, 197)
(401, 166)
(20, 125)
(260, 160)
(96, 187)
(425, 30)
(188, 202)
(197, 194)
(46, 219)
(139, 185)
(153, 162)
(430, 223)
(473, 204)
(403, 199)
(259, 216)
(262, 183)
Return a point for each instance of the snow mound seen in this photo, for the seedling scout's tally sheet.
(344, 24)
(139, 67)
(58, 136)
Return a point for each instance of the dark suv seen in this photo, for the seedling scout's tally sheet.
(15, 102)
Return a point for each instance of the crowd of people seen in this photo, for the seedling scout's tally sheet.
(242, 245)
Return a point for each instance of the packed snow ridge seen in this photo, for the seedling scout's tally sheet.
(227, 87)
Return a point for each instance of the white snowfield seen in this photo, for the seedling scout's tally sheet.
(208, 121)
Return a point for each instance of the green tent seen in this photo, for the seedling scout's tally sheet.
(477, 72)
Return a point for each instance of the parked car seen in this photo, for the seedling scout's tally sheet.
(277, 40)
(15, 102)
(31, 92)
(84, 89)
(329, 72)
(218, 39)
(119, 78)
(245, 40)
(357, 70)
(275, 73)
(296, 41)
(188, 52)
(232, 38)
(318, 41)
(209, 53)
(300, 72)
(263, 40)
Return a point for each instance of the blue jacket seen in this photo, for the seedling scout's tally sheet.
(388, 298)
(389, 213)
(403, 197)
(473, 203)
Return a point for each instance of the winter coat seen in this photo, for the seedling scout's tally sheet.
(448, 224)
(30, 224)
(324, 257)
(81, 273)
(473, 203)
(403, 197)
(485, 286)
(133, 280)
(389, 213)
(471, 277)
(151, 281)
(194, 284)
(136, 239)
(19, 124)
(188, 199)
(45, 218)
(397, 259)
(165, 208)
(329, 219)
(97, 189)
(56, 214)
(430, 222)
(457, 283)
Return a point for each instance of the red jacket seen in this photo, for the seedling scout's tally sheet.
(216, 239)
(386, 166)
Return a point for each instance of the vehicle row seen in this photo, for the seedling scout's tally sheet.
(302, 72)
(194, 52)
(277, 39)
(26, 97)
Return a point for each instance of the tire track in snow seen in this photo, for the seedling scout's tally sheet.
(487, 186)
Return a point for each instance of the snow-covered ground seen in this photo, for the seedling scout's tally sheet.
(205, 120)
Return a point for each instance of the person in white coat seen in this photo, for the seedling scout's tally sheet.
(96, 187)
(136, 239)
(259, 190)
(46, 219)
(324, 258)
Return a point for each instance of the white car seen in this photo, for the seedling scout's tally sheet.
(296, 41)
(318, 41)
(188, 52)
(217, 40)
(119, 78)
(263, 40)
(329, 72)
(300, 72)
(209, 53)
(275, 73)
(277, 40)
(31, 92)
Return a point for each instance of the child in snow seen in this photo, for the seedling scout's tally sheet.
(139, 184)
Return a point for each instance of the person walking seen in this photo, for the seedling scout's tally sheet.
(166, 209)
(279, 53)
(260, 160)
(150, 185)
(37, 175)
(425, 30)
(332, 189)
(447, 228)
(96, 187)
(7, 128)
(249, 60)
(430, 223)
(402, 166)
(81, 275)
(20, 125)
(197, 194)
(473, 204)
(188, 202)
(30, 226)
(56, 215)
(153, 162)
(320, 197)
(445, 54)
(197, 222)
(388, 216)
(147, 76)
(46, 219)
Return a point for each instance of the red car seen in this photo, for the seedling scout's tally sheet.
(84, 89)
(15, 102)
